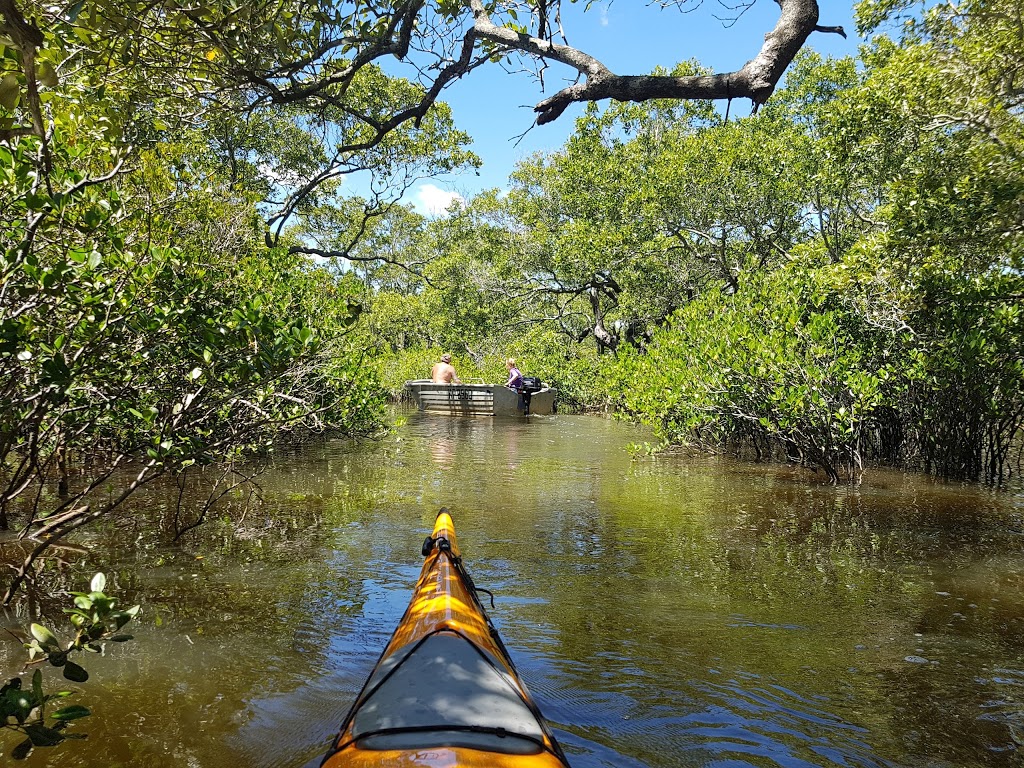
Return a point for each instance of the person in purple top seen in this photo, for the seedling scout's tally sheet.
(515, 376)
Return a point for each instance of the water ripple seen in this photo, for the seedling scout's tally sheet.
(772, 723)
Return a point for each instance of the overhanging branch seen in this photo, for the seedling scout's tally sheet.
(756, 80)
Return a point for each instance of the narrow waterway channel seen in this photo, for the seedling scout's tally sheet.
(669, 611)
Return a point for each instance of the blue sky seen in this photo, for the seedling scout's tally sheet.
(629, 37)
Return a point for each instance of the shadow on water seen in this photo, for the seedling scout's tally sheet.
(669, 611)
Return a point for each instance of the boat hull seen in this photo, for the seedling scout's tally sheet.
(479, 399)
(444, 693)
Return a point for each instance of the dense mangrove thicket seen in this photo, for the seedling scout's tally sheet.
(836, 279)
(146, 328)
(141, 341)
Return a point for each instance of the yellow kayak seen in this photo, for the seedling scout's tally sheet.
(444, 693)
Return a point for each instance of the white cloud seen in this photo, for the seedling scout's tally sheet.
(604, 15)
(433, 200)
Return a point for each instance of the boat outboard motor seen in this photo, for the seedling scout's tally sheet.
(531, 384)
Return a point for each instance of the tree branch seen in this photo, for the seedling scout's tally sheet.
(756, 80)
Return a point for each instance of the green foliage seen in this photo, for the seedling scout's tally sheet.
(144, 324)
(97, 619)
(935, 131)
(782, 364)
(162, 354)
(901, 339)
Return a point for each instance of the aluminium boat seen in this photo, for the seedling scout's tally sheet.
(444, 693)
(479, 399)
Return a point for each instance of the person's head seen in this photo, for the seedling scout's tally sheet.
(446, 358)
(510, 363)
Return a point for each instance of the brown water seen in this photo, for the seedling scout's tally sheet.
(670, 611)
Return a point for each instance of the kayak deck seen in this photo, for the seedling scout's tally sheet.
(444, 692)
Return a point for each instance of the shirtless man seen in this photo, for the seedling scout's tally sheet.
(444, 372)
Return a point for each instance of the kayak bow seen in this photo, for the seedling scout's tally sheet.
(444, 693)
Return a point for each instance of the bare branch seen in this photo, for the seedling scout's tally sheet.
(836, 30)
(756, 80)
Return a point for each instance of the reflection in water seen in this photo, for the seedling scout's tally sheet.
(670, 611)
(442, 451)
